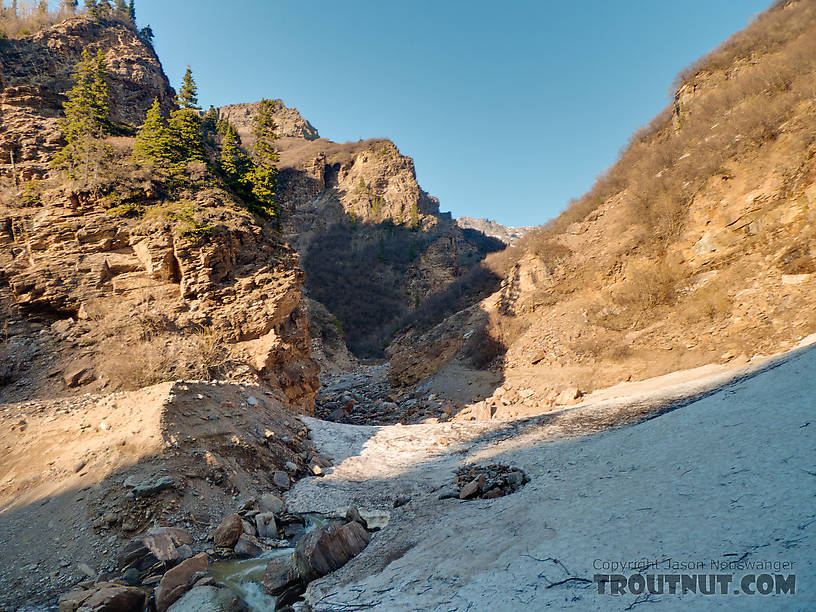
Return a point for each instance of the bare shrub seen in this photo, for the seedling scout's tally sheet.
(203, 354)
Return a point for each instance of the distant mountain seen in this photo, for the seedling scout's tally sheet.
(488, 227)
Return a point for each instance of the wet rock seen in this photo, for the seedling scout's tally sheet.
(267, 526)
(208, 599)
(228, 532)
(271, 503)
(177, 581)
(328, 548)
(353, 515)
(281, 573)
(247, 546)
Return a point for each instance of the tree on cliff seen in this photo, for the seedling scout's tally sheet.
(87, 118)
(153, 142)
(132, 11)
(263, 175)
(177, 141)
(185, 123)
(233, 161)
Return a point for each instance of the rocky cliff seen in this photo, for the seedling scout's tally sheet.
(373, 243)
(35, 72)
(118, 287)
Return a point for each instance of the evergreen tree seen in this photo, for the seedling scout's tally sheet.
(188, 94)
(265, 131)
(87, 118)
(120, 7)
(146, 34)
(185, 122)
(233, 161)
(132, 11)
(153, 141)
(263, 176)
(185, 133)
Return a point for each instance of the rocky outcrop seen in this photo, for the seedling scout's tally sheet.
(289, 122)
(94, 270)
(35, 72)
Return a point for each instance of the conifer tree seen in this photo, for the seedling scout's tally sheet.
(87, 118)
(153, 139)
(185, 122)
(120, 7)
(263, 175)
(233, 161)
(146, 34)
(188, 94)
(132, 11)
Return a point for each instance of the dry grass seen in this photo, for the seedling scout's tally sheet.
(157, 357)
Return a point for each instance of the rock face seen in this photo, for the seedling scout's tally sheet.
(290, 123)
(36, 71)
(83, 265)
(373, 244)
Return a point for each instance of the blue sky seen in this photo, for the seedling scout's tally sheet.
(508, 109)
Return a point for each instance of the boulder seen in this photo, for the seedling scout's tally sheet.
(328, 548)
(177, 581)
(247, 546)
(353, 515)
(208, 599)
(271, 503)
(281, 573)
(228, 532)
(104, 597)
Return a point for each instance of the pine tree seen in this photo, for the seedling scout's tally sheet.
(263, 176)
(153, 141)
(146, 34)
(264, 130)
(233, 161)
(87, 118)
(185, 122)
(188, 94)
(132, 11)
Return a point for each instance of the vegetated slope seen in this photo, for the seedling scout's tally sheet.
(374, 245)
(122, 279)
(695, 247)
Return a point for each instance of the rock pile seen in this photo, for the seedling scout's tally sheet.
(366, 397)
(489, 482)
